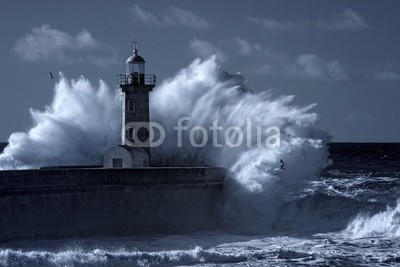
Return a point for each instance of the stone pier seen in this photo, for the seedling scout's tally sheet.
(54, 203)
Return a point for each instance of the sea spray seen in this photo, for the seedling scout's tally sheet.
(205, 94)
(382, 224)
(83, 122)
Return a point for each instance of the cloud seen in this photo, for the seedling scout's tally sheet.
(206, 49)
(244, 47)
(303, 66)
(310, 66)
(267, 61)
(387, 76)
(348, 20)
(178, 16)
(146, 17)
(47, 44)
(173, 16)
(355, 117)
(275, 25)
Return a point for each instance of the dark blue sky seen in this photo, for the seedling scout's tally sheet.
(342, 55)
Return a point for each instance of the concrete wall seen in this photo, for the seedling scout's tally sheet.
(83, 202)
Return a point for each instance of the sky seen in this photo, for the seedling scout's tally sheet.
(342, 55)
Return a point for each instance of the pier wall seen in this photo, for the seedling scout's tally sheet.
(53, 203)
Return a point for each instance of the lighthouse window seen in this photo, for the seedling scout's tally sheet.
(117, 162)
(131, 105)
(130, 133)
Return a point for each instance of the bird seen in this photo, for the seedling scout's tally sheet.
(282, 164)
(51, 75)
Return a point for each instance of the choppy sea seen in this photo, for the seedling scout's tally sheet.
(348, 215)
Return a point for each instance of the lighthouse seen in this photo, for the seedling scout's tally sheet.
(135, 86)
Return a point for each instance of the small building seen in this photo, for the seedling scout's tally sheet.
(135, 86)
(125, 157)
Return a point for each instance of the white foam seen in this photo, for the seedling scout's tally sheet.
(382, 224)
(203, 93)
(77, 128)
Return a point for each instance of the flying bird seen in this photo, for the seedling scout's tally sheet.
(51, 75)
(282, 164)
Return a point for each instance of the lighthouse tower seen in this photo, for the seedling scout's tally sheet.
(135, 86)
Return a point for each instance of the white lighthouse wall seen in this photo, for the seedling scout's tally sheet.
(132, 157)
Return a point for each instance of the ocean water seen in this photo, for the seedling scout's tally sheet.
(348, 215)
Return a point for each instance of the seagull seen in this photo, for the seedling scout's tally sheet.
(282, 164)
(51, 75)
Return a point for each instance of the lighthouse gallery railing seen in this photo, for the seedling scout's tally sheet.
(136, 79)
